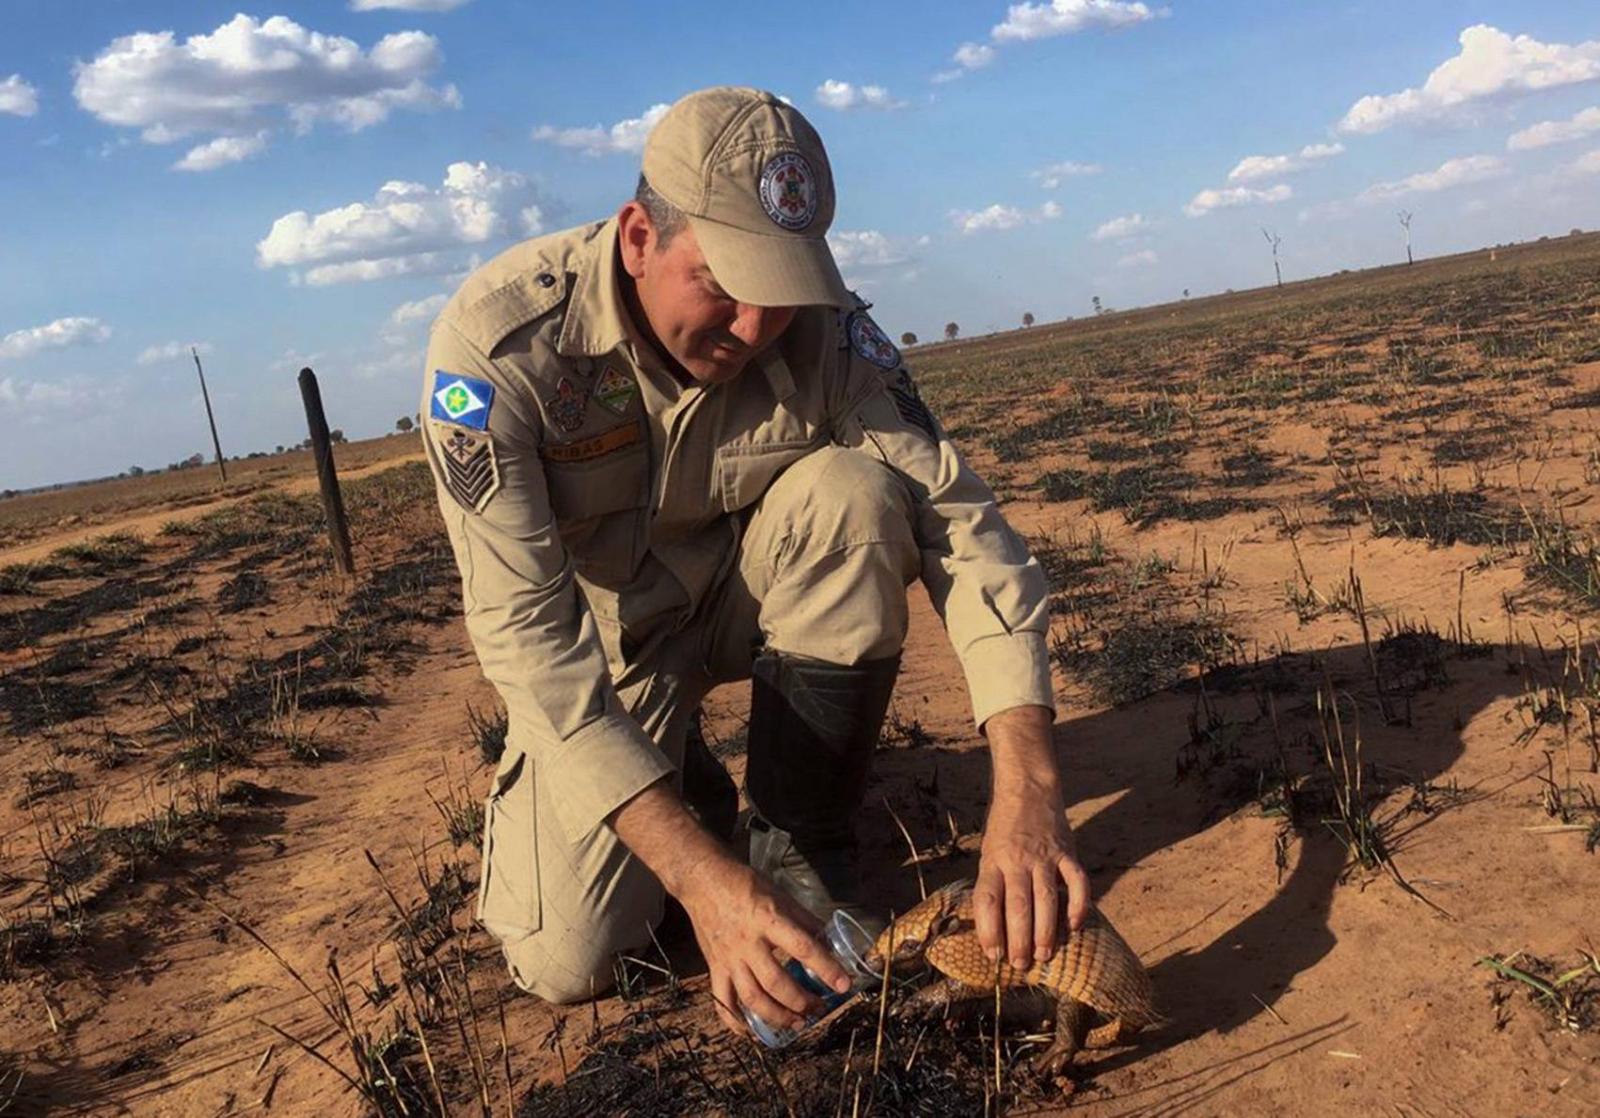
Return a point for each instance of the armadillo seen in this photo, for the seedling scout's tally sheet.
(1094, 976)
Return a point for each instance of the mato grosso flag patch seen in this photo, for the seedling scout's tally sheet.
(464, 401)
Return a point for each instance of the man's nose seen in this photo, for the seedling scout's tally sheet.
(752, 324)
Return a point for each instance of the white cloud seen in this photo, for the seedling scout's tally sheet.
(843, 96)
(973, 56)
(247, 73)
(400, 362)
(59, 334)
(1045, 20)
(406, 228)
(31, 395)
(624, 136)
(1055, 174)
(1587, 164)
(172, 351)
(1208, 200)
(1064, 17)
(1119, 227)
(1491, 63)
(406, 5)
(1545, 133)
(1142, 259)
(17, 97)
(1254, 167)
(998, 217)
(419, 310)
(222, 151)
(1452, 172)
(868, 248)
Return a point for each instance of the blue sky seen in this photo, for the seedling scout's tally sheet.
(180, 173)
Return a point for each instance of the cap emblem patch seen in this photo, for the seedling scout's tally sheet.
(789, 191)
(869, 340)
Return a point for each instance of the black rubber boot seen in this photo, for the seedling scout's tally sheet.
(707, 788)
(813, 727)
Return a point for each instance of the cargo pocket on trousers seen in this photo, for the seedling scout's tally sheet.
(508, 888)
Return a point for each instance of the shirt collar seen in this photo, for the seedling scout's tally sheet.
(595, 322)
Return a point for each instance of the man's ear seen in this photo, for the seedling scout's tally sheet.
(636, 237)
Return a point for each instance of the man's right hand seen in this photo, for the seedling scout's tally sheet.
(739, 918)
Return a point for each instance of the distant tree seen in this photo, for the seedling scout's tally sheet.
(1405, 223)
(1186, 293)
(278, 449)
(1027, 318)
(1576, 232)
(336, 435)
(403, 424)
(135, 471)
(951, 331)
(908, 338)
(1098, 309)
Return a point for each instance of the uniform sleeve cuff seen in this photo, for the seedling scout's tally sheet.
(1007, 670)
(598, 769)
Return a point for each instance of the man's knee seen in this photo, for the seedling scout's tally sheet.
(836, 499)
(570, 958)
(565, 968)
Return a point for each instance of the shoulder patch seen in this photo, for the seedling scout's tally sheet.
(908, 402)
(463, 401)
(869, 341)
(470, 472)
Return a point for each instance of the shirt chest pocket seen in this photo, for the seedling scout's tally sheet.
(744, 472)
(601, 508)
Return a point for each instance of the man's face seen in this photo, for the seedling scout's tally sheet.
(700, 325)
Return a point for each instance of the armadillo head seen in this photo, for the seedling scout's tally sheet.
(906, 938)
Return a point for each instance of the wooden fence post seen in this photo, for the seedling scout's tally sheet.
(327, 477)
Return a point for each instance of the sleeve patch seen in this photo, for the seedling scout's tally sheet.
(470, 472)
(908, 402)
(463, 401)
(869, 341)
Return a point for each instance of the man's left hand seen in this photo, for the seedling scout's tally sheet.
(1027, 857)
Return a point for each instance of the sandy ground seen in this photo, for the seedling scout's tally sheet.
(1313, 987)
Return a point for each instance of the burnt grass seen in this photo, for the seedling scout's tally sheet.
(642, 1067)
(1143, 494)
(1141, 656)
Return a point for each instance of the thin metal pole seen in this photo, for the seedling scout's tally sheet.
(327, 476)
(216, 443)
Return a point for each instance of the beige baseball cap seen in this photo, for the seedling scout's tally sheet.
(752, 176)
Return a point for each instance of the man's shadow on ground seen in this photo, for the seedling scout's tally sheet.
(1132, 754)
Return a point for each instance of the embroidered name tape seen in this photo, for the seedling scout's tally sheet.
(599, 446)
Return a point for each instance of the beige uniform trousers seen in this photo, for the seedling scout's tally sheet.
(822, 571)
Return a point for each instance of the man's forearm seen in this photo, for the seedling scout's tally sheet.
(658, 828)
(1022, 752)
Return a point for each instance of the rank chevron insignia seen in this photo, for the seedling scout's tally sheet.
(461, 400)
(469, 467)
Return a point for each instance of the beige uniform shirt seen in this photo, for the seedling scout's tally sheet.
(592, 500)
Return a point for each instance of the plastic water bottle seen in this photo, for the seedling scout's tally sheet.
(849, 943)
